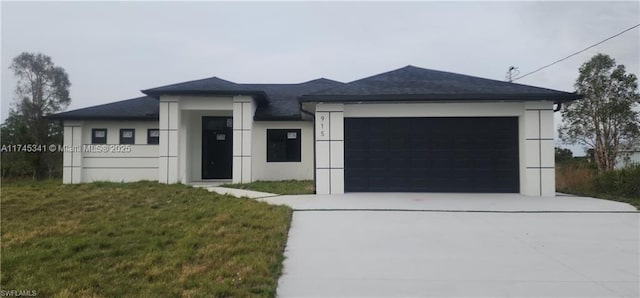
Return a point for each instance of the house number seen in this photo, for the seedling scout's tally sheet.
(322, 122)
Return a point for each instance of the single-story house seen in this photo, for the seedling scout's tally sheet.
(629, 155)
(407, 130)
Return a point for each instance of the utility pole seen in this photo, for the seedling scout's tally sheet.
(512, 73)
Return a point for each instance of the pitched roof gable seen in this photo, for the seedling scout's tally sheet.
(207, 84)
(414, 83)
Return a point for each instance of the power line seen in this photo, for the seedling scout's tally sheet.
(576, 53)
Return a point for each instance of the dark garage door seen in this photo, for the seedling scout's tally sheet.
(431, 154)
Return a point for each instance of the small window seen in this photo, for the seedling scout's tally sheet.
(153, 136)
(127, 136)
(283, 145)
(99, 136)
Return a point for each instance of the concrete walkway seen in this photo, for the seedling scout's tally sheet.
(349, 246)
(236, 192)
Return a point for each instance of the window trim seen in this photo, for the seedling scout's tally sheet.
(149, 137)
(94, 139)
(133, 136)
(298, 142)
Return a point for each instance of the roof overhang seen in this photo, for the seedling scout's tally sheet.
(563, 97)
(260, 96)
(262, 117)
(106, 118)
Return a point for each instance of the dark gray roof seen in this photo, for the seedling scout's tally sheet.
(412, 83)
(275, 101)
(208, 86)
(283, 98)
(140, 108)
(211, 84)
(281, 101)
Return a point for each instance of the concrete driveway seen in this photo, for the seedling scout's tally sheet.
(453, 245)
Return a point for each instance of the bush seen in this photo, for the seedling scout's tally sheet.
(623, 182)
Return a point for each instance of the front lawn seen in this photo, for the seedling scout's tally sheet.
(285, 187)
(140, 239)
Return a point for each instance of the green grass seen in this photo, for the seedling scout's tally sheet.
(285, 187)
(138, 239)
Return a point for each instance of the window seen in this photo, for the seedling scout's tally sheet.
(127, 136)
(99, 136)
(153, 136)
(283, 145)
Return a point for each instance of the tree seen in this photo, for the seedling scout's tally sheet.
(605, 119)
(42, 89)
(15, 164)
(563, 154)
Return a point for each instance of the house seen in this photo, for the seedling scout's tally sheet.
(629, 155)
(406, 130)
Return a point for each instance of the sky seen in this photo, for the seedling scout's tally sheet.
(112, 50)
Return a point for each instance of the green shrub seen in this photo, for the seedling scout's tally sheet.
(623, 182)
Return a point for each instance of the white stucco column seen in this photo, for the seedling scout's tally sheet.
(183, 147)
(329, 133)
(243, 111)
(539, 172)
(168, 163)
(72, 152)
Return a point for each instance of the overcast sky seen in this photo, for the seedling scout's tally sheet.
(112, 50)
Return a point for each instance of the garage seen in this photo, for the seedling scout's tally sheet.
(431, 154)
(423, 130)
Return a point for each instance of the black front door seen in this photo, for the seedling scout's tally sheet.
(217, 147)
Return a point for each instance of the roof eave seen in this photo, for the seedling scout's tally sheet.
(441, 97)
(260, 96)
(263, 117)
(114, 118)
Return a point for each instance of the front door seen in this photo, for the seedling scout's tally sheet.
(217, 147)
